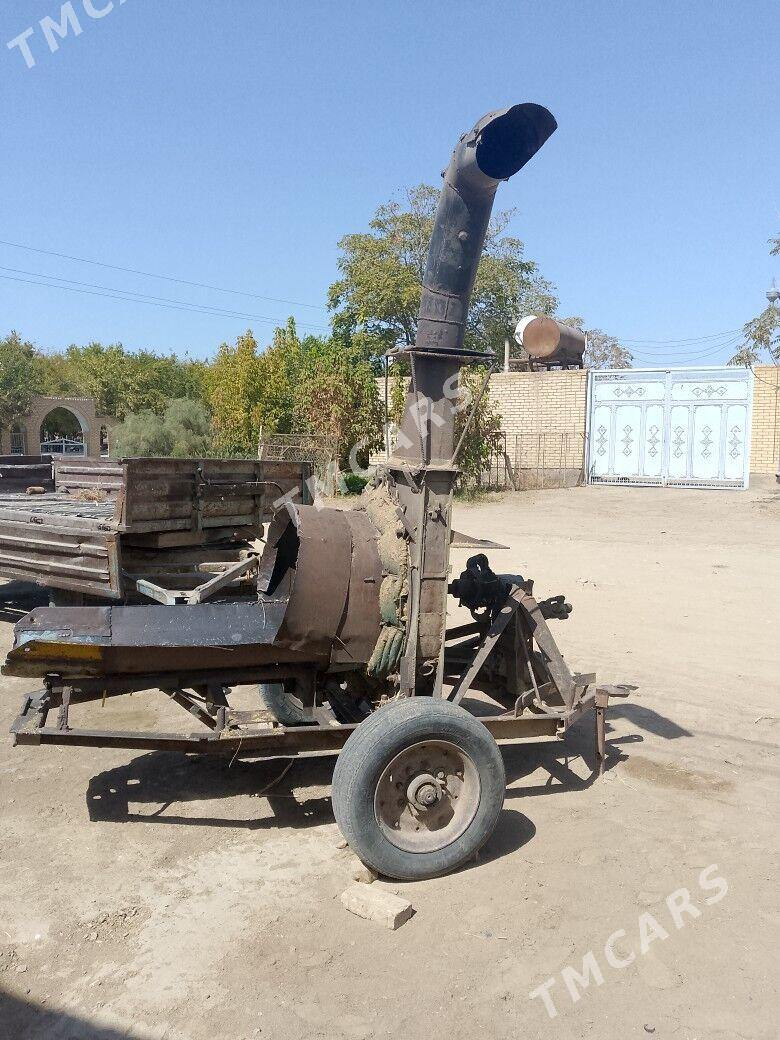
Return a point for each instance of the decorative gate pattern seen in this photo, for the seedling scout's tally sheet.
(688, 427)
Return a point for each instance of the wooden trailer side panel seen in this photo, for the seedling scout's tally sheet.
(199, 494)
(59, 551)
(18, 472)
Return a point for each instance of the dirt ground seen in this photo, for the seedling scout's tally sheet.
(151, 896)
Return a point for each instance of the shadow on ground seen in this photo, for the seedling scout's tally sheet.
(26, 1020)
(166, 779)
(159, 787)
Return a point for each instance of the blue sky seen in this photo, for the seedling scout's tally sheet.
(233, 143)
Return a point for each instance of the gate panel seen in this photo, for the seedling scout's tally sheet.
(706, 442)
(679, 441)
(600, 446)
(653, 458)
(736, 440)
(627, 422)
(688, 427)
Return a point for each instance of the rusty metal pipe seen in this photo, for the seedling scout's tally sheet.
(499, 145)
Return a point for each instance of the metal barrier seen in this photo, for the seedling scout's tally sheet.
(319, 450)
(539, 459)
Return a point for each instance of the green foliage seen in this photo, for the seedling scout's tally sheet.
(761, 335)
(483, 438)
(232, 389)
(397, 395)
(376, 300)
(20, 377)
(336, 397)
(61, 422)
(121, 381)
(605, 351)
(141, 433)
(182, 431)
(354, 483)
(321, 386)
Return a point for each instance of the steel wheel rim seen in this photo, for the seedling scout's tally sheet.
(427, 796)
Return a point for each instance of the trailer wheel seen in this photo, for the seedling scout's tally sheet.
(283, 706)
(418, 788)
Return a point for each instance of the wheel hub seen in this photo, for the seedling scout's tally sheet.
(424, 791)
(427, 796)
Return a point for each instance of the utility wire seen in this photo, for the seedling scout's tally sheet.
(163, 277)
(643, 346)
(689, 358)
(129, 296)
(711, 351)
(669, 342)
(684, 349)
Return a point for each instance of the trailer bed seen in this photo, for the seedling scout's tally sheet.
(107, 518)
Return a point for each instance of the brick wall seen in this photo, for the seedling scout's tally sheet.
(543, 417)
(765, 436)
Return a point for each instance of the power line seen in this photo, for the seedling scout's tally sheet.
(670, 342)
(683, 348)
(687, 358)
(189, 308)
(163, 277)
(642, 345)
(129, 296)
(710, 351)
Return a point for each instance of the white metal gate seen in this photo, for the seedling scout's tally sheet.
(686, 426)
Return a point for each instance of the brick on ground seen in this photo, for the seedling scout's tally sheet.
(374, 903)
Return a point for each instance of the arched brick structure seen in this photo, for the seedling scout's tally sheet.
(83, 408)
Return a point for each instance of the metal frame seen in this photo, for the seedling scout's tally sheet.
(232, 733)
(517, 624)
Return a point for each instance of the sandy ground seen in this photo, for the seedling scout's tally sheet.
(155, 896)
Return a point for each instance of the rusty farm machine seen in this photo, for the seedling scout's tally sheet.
(344, 626)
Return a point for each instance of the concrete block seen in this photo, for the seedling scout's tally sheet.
(374, 903)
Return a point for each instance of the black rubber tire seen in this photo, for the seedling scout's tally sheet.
(370, 749)
(283, 706)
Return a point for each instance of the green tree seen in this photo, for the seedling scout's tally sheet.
(278, 379)
(122, 381)
(483, 437)
(336, 397)
(375, 301)
(20, 377)
(182, 431)
(761, 335)
(602, 350)
(232, 388)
